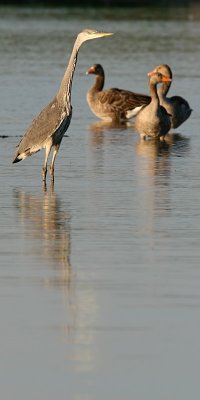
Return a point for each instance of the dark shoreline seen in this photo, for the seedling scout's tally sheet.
(101, 3)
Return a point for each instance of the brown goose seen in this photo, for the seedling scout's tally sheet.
(113, 104)
(175, 105)
(153, 120)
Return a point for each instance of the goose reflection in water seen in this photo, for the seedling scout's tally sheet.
(46, 227)
(102, 131)
(102, 134)
(153, 149)
(154, 170)
(102, 126)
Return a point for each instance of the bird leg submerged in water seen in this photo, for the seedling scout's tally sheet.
(48, 149)
(48, 128)
(55, 150)
(51, 169)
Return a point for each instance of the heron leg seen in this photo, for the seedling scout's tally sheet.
(55, 150)
(44, 174)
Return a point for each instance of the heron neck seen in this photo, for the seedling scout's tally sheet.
(64, 92)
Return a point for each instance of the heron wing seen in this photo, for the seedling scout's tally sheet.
(42, 127)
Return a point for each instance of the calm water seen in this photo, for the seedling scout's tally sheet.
(99, 277)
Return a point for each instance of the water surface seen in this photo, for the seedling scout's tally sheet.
(99, 277)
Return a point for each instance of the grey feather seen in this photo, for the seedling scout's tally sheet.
(49, 127)
(50, 123)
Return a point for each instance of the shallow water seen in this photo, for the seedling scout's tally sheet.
(99, 277)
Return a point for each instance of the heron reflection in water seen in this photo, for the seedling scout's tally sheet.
(46, 227)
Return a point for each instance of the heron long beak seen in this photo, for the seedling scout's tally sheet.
(102, 34)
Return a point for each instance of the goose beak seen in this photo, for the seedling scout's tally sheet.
(90, 71)
(152, 72)
(166, 79)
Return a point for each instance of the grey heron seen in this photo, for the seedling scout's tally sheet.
(48, 128)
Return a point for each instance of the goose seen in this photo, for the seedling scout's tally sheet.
(177, 106)
(112, 104)
(153, 120)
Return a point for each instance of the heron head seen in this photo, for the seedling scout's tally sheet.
(88, 34)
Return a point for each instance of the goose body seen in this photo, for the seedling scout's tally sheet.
(153, 120)
(176, 106)
(113, 104)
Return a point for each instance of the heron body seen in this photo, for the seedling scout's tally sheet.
(48, 128)
(176, 106)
